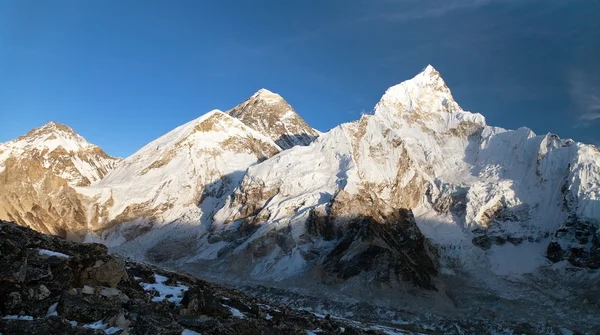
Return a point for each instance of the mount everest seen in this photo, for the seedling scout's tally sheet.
(420, 197)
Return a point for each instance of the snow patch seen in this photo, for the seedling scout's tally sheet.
(175, 293)
(47, 252)
(515, 260)
(235, 312)
(18, 317)
(189, 332)
(52, 310)
(99, 325)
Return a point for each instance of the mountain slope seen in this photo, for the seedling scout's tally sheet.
(38, 173)
(269, 114)
(167, 179)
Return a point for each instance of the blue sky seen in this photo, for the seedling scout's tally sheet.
(122, 73)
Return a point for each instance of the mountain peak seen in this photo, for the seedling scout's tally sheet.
(51, 136)
(269, 114)
(429, 69)
(425, 100)
(52, 127)
(267, 96)
(425, 88)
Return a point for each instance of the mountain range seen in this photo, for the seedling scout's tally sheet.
(420, 202)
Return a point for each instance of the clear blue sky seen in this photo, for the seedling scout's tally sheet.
(122, 73)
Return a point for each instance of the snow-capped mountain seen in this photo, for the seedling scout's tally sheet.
(58, 148)
(167, 179)
(502, 201)
(269, 114)
(38, 173)
(415, 192)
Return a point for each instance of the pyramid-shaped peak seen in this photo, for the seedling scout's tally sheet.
(269, 114)
(429, 76)
(429, 69)
(424, 86)
(267, 96)
(52, 135)
(50, 128)
(53, 125)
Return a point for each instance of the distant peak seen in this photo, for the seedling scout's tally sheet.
(429, 76)
(264, 91)
(51, 127)
(267, 96)
(429, 69)
(425, 84)
(57, 126)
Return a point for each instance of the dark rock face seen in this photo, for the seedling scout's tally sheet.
(395, 248)
(52, 286)
(47, 326)
(577, 241)
(199, 302)
(86, 308)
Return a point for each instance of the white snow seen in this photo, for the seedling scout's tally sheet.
(52, 253)
(52, 310)
(449, 154)
(168, 175)
(82, 161)
(18, 317)
(268, 316)
(515, 260)
(189, 332)
(176, 292)
(235, 312)
(267, 96)
(390, 331)
(102, 326)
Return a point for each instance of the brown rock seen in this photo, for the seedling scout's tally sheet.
(109, 274)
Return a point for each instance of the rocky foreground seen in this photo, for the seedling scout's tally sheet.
(52, 286)
(49, 285)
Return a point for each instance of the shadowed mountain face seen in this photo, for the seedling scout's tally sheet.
(269, 114)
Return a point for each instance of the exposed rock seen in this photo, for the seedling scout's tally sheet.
(37, 179)
(38, 293)
(269, 114)
(86, 308)
(108, 273)
(110, 292)
(88, 290)
(198, 302)
(394, 247)
(147, 325)
(578, 241)
(47, 326)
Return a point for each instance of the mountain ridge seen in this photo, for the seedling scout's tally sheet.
(420, 197)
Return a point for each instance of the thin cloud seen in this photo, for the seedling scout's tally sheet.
(585, 94)
(433, 11)
(399, 11)
(590, 116)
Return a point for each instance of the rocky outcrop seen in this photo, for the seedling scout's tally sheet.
(577, 241)
(390, 251)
